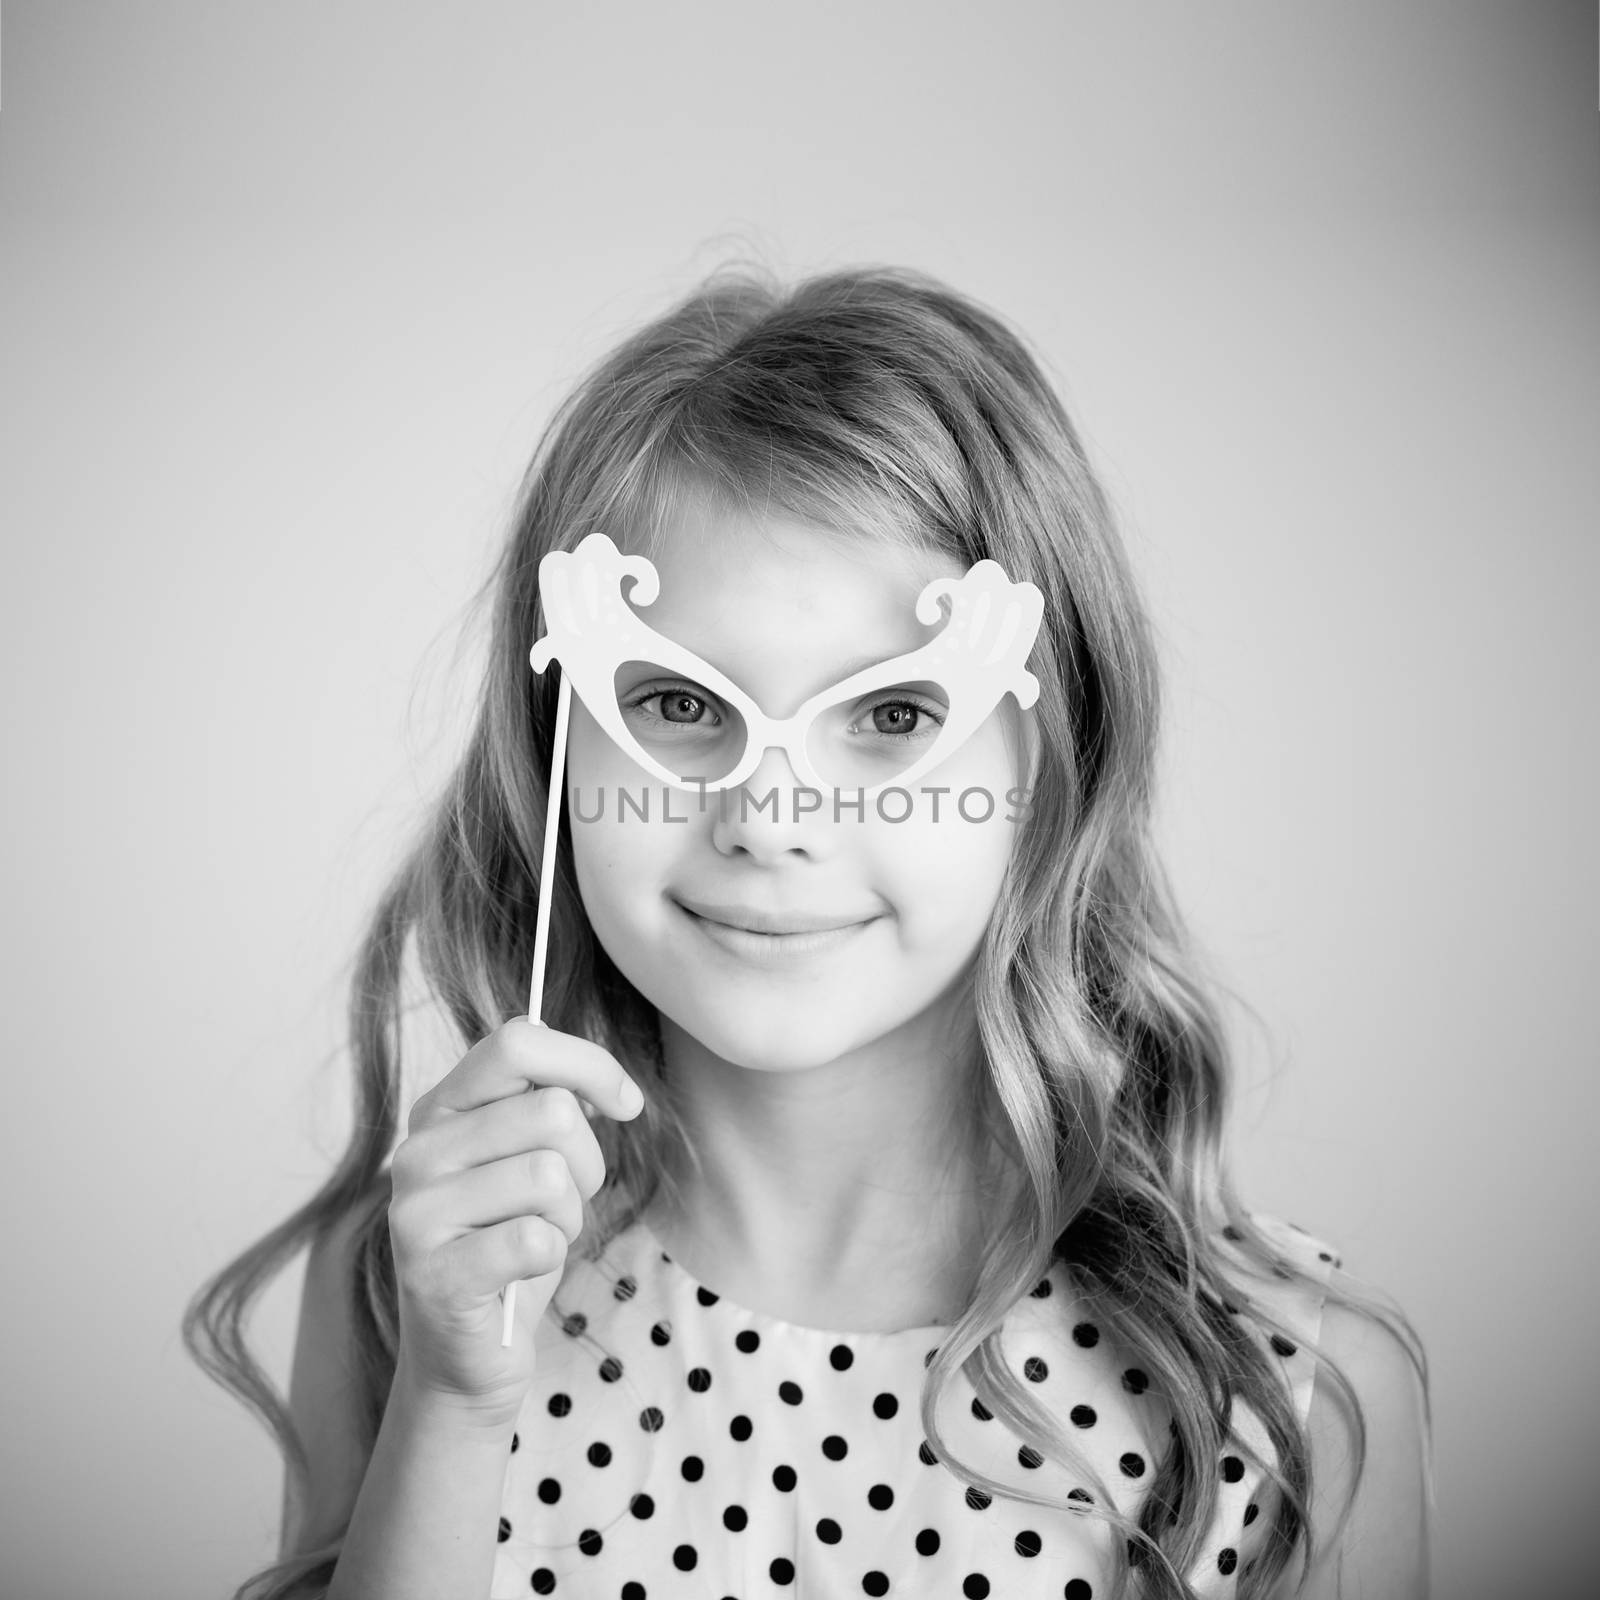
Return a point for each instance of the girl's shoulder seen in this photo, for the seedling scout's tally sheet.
(1377, 1541)
(1309, 1252)
(1283, 1302)
(1378, 1545)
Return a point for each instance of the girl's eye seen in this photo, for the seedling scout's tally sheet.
(679, 705)
(905, 717)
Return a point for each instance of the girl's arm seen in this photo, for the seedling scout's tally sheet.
(1383, 1552)
(422, 1512)
(321, 1398)
(424, 1525)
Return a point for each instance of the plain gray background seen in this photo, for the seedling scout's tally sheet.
(286, 294)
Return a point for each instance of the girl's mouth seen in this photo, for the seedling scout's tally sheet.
(771, 948)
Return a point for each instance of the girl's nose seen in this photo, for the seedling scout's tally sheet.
(773, 771)
(772, 812)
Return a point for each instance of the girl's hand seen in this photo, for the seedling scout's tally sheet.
(488, 1190)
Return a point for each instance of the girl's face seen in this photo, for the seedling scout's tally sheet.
(786, 610)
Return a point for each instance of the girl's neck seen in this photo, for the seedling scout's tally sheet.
(896, 1247)
(845, 1196)
(879, 1277)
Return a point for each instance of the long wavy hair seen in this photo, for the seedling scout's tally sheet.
(881, 402)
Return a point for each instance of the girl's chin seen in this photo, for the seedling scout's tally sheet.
(772, 1057)
(771, 1034)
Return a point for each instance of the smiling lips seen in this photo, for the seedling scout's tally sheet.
(754, 920)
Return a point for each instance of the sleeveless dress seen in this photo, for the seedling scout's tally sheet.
(676, 1446)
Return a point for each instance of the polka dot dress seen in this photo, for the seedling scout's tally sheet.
(676, 1445)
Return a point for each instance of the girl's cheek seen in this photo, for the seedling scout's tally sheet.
(950, 854)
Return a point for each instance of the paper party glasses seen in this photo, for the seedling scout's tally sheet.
(688, 724)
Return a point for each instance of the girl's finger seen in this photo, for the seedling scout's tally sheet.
(532, 1183)
(483, 1261)
(545, 1118)
(520, 1055)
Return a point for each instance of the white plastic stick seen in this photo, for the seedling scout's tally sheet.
(541, 933)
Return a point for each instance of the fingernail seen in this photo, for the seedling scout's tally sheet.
(632, 1096)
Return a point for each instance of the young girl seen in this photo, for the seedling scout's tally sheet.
(863, 1185)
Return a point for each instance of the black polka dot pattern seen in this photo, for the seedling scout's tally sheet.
(676, 1444)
